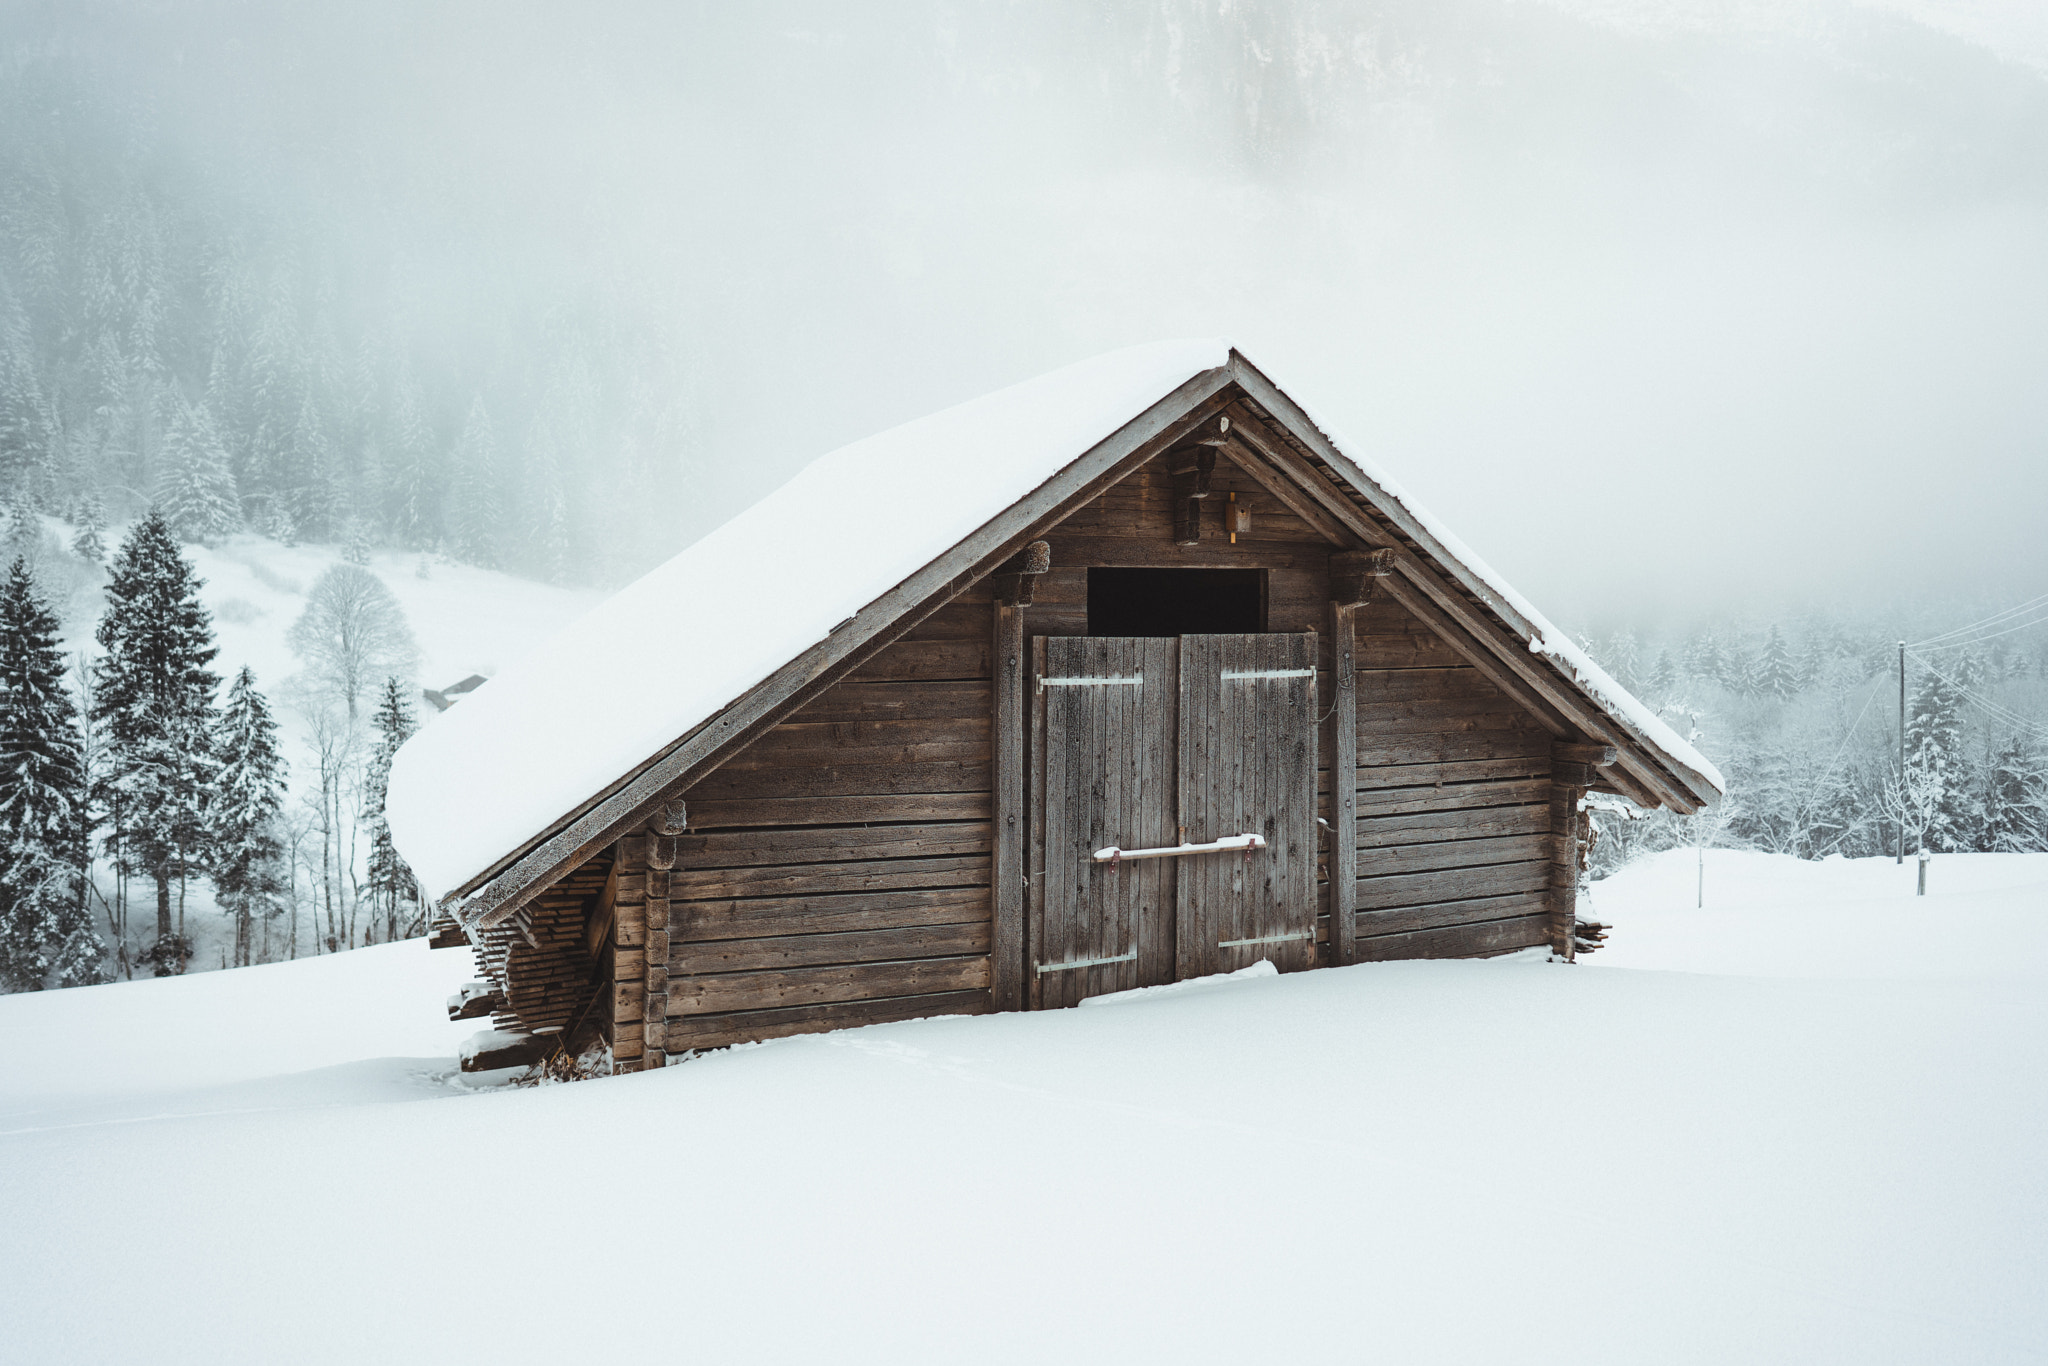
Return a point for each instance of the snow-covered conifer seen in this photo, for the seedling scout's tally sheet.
(89, 543)
(197, 491)
(153, 702)
(247, 850)
(390, 880)
(1775, 675)
(2016, 802)
(479, 513)
(46, 934)
(1936, 768)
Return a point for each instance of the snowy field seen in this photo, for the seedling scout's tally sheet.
(1805, 1124)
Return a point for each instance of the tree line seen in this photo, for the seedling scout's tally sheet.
(170, 339)
(1805, 728)
(155, 776)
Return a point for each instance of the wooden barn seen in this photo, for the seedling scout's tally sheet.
(1124, 675)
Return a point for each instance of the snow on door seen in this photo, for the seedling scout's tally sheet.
(1247, 766)
(1146, 745)
(1102, 761)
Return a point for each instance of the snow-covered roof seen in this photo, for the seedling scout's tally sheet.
(527, 751)
(542, 737)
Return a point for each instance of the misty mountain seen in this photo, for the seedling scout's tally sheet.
(563, 290)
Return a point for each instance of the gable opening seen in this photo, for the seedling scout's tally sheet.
(1176, 602)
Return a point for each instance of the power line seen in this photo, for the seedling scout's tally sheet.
(1995, 710)
(1995, 619)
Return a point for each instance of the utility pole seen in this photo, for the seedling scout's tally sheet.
(1902, 755)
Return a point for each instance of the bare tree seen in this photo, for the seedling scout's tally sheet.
(351, 635)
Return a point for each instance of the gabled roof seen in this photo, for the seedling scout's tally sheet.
(534, 770)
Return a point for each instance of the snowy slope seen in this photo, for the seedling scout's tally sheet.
(1423, 1162)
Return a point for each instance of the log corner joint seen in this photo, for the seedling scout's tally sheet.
(1016, 578)
(1354, 574)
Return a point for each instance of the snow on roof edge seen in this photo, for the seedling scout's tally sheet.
(1595, 682)
(671, 650)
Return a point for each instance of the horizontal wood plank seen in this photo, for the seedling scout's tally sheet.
(781, 987)
(1383, 860)
(1420, 889)
(1461, 941)
(811, 950)
(720, 1031)
(1445, 775)
(926, 659)
(1473, 823)
(712, 813)
(1444, 914)
(844, 780)
(766, 916)
(831, 843)
(826, 879)
(1457, 796)
(1448, 747)
(907, 701)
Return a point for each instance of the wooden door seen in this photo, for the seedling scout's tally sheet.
(1103, 745)
(1247, 765)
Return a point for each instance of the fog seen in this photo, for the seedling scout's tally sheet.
(1668, 309)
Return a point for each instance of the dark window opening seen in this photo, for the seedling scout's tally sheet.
(1176, 602)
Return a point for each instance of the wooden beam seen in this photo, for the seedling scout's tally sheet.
(1007, 757)
(1484, 643)
(1015, 580)
(1354, 574)
(1342, 768)
(1288, 494)
(502, 888)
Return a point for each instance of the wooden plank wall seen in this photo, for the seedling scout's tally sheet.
(1454, 842)
(837, 871)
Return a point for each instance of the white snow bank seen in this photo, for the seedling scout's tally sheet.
(1368, 1163)
(1263, 968)
(210, 1029)
(545, 735)
(1772, 915)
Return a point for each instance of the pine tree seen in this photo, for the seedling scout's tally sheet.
(1775, 675)
(153, 702)
(391, 881)
(1935, 766)
(1664, 675)
(415, 504)
(90, 544)
(196, 491)
(2016, 806)
(479, 514)
(46, 933)
(247, 850)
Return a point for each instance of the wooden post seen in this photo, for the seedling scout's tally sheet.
(1355, 576)
(1012, 584)
(1343, 783)
(629, 954)
(1574, 767)
(661, 857)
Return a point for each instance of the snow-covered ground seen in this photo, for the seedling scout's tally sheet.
(1805, 1124)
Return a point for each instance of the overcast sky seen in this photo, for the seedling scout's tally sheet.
(1666, 308)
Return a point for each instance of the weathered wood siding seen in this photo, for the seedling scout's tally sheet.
(838, 870)
(1453, 792)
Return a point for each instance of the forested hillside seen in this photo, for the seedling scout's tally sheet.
(180, 328)
(1804, 723)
